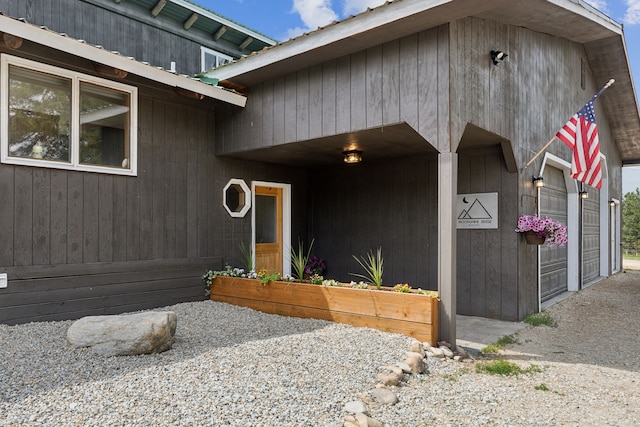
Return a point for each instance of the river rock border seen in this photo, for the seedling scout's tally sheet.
(392, 376)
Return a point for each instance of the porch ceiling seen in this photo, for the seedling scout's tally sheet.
(376, 144)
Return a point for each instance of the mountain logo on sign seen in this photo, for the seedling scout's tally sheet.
(475, 211)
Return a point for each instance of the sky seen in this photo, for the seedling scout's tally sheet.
(283, 19)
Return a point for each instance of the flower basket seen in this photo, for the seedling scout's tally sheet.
(538, 231)
(533, 238)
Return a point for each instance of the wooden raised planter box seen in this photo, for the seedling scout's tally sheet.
(414, 315)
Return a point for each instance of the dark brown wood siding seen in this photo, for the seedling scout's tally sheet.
(77, 243)
(125, 28)
(356, 209)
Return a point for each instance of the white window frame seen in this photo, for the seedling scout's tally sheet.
(74, 140)
(204, 51)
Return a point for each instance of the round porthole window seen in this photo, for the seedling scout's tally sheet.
(236, 198)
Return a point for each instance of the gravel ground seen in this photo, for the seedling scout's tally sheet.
(232, 366)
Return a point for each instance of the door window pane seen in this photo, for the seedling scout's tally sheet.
(39, 115)
(266, 215)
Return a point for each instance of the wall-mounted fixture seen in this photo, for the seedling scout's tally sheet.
(583, 194)
(538, 181)
(612, 203)
(497, 56)
(352, 156)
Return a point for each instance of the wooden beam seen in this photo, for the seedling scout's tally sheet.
(245, 43)
(189, 22)
(234, 86)
(110, 72)
(447, 191)
(189, 94)
(158, 7)
(10, 41)
(220, 33)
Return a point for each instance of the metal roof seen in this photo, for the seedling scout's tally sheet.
(62, 42)
(208, 22)
(574, 20)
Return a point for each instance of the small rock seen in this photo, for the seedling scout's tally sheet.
(417, 347)
(405, 368)
(356, 407)
(426, 346)
(446, 351)
(384, 396)
(457, 358)
(437, 352)
(462, 352)
(365, 421)
(389, 378)
(416, 362)
(351, 422)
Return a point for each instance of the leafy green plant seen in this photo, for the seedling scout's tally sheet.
(246, 253)
(316, 279)
(505, 368)
(299, 259)
(402, 288)
(500, 344)
(542, 387)
(541, 318)
(373, 267)
(265, 277)
(432, 294)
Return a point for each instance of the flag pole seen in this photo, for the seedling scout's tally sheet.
(605, 87)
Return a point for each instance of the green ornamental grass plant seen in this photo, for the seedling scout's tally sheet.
(299, 259)
(373, 267)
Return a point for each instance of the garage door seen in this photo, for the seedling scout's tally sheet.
(591, 236)
(553, 260)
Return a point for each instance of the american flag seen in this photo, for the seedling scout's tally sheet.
(580, 134)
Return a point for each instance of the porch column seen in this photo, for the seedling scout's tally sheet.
(447, 193)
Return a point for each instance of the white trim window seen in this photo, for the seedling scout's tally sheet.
(210, 58)
(61, 119)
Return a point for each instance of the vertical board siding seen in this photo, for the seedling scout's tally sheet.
(487, 259)
(403, 80)
(387, 206)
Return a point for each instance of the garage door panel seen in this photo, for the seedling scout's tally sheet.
(553, 259)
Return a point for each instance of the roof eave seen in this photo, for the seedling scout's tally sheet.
(75, 47)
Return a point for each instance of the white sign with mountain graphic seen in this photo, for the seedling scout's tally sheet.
(479, 210)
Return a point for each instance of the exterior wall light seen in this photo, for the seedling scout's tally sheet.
(497, 56)
(583, 194)
(538, 181)
(352, 156)
(612, 203)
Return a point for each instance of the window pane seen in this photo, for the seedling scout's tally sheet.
(104, 123)
(266, 213)
(39, 115)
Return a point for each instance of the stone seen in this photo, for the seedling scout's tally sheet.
(126, 334)
(417, 347)
(351, 422)
(416, 362)
(437, 352)
(392, 375)
(462, 352)
(446, 352)
(356, 407)
(366, 421)
(405, 368)
(384, 396)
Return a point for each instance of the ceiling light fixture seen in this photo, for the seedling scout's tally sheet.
(352, 156)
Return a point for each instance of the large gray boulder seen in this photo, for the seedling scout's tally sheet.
(126, 334)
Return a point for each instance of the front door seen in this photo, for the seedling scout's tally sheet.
(268, 228)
